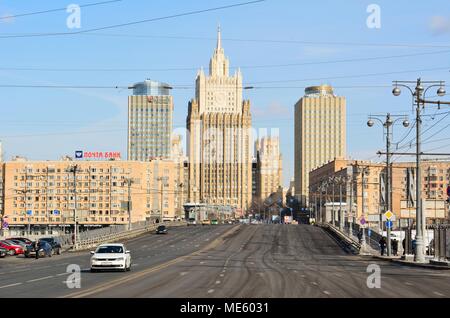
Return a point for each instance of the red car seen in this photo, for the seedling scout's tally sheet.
(12, 248)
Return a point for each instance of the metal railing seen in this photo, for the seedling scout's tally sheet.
(92, 238)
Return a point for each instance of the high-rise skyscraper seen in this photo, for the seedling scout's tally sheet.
(320, 134)
(219, 124)
(150, 116)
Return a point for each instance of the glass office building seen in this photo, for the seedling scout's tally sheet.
(150, 116)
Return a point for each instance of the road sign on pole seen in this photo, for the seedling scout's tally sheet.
(389, 224)
(362, 220)
(388, 215)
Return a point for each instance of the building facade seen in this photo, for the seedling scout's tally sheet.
(363, 187)
(320, 134)
(218, 147)
(269, 167)
(150, 117)
(45, 193)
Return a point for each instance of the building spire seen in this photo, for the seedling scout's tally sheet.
(219, 39)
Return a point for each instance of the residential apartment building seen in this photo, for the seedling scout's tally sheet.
(320, 134)
(150, 117)
(364, 186)
(45, 193)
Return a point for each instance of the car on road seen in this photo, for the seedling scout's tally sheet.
(55, 244)
(45, 249)
(17, 242)
(3, 252)
(162, 229)
(111, 257)
(192, 222)
(206, 222)
(12, 248)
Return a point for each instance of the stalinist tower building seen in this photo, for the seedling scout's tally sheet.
(219, 123)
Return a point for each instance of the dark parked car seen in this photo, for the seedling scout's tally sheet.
(55, 244)
(3, 252)
(162, 229)
(44, 250)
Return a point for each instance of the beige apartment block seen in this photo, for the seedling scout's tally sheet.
(101, 190)
(368, 197)
(218, 147)
(268, 167)
(320, 134)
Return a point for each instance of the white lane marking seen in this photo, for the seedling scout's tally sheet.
(296, 272)
(197, 245)
(409, 284)
(251, 263)
(62, 274)
(183, 273)
(439, 294)
(314, 283)
(38, 279)
(144, 246)
(10, 285)
(217, 282)
(210, 291)
(207, 239)
(202, 262)
(134, 264)
(326, 292)
(302, 276)
(221, 275)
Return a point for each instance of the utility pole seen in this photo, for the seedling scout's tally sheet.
(341, 212)
(350, 210)
(388, 124)
(364, 171)
(333, 180)
(419, 96)
(74, 170)
(129, 182)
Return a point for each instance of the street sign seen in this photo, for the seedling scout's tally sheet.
(56, 212)
(29, 212)
(5, 225)
(362, 220)
(389, 224)
(388, 215)
(369, 232)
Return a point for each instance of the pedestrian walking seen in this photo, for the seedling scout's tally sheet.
(404, 246)
(360, 235)
(37, 247)
(382, 243)
(414, 246)
(394, 247)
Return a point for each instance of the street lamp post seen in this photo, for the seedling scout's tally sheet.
(388, 123)
(419, 101)
(364, 171)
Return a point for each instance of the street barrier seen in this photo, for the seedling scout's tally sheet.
(93, 238)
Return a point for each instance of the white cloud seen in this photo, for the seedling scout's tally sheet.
(439, 24)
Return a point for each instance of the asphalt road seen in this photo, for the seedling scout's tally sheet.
(227, 261)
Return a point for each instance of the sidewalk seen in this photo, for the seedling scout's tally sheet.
(399, 260)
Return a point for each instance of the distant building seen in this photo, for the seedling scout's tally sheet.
(320, 134)
(150, 117)
(268, 167)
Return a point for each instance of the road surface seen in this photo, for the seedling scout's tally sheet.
(227, 261)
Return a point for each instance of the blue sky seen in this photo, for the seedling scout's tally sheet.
(48, 123)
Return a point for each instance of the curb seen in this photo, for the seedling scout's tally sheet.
(411, 264)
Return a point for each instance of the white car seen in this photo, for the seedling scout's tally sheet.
(111, 256)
